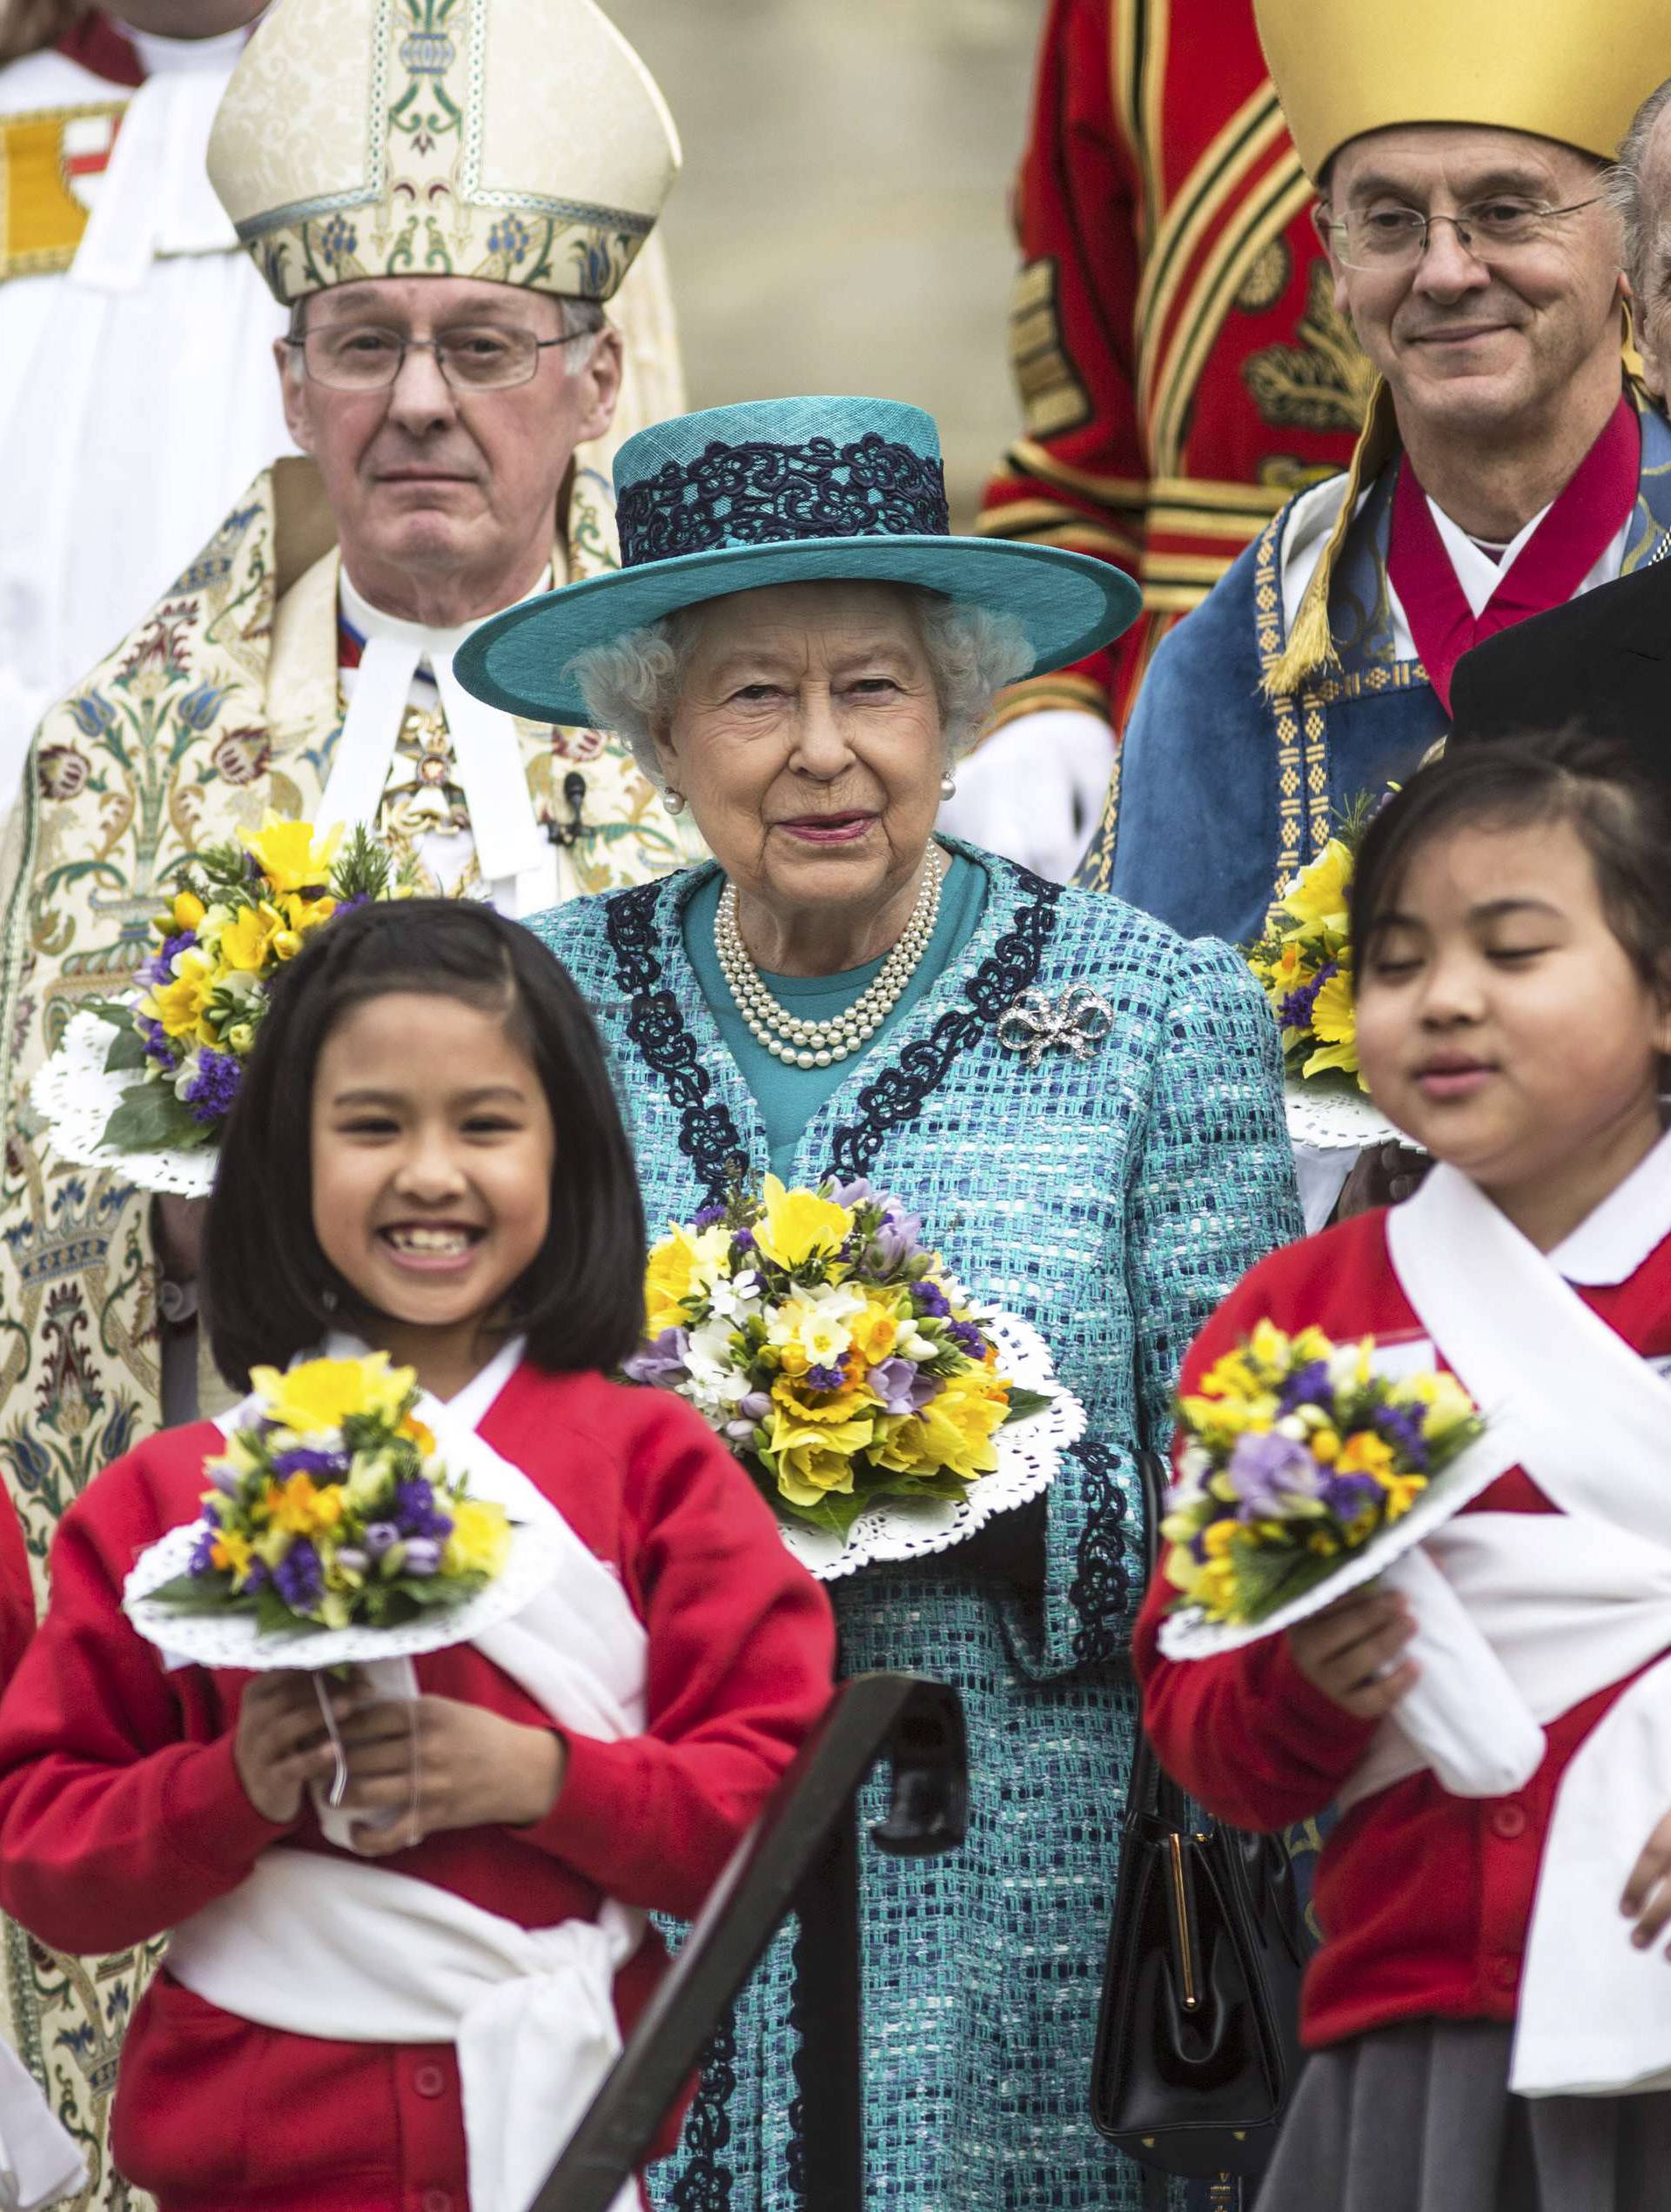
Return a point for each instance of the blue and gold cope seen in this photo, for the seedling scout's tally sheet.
(1111, 1200)
(1226, 788)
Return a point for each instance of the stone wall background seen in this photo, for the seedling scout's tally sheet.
(841, 223)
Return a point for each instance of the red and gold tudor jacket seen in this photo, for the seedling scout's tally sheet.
(1181, 365)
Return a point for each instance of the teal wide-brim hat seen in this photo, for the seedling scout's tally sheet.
(786, 492)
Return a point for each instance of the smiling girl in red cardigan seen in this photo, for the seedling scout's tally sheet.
(425, 1154)
(1491, 2029)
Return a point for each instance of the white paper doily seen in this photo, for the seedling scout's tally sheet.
(234, 1640)
(911, 1528)
(1187, 1635)
(1332, 1117)
(78, 1094)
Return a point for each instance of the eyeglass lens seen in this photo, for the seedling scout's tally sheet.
(363, 358)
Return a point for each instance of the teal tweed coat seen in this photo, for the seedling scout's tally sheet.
(1112, 1201)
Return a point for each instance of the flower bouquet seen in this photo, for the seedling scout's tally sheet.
(333, 1534)
(1307, 1471)
(1303, 962)
(881, 1413)
(146, 1083)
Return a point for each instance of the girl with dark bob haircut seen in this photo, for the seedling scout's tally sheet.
(425, 1164)
(580, 1303)
(1493, 1977)
(1620, 816)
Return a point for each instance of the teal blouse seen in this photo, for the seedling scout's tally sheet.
(789, 1097)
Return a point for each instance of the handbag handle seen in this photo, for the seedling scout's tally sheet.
(1152, 1794)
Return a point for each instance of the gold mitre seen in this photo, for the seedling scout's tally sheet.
(1549, 67)
(521, 141)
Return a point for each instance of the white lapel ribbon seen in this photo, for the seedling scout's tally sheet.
(328, 1946)
(516, 858)
(1570, 1603)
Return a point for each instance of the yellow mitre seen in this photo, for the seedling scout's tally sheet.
(520, 141)
(1548, 67)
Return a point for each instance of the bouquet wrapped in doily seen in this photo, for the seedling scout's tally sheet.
(1306, 1472)
(881, 1413)
(333, 1535)
(144, 1085)
(1303, 962)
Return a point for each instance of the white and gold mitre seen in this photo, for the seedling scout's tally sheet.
(1572, 70)
(521, 141)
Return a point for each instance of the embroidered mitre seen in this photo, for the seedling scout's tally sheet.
(522, 142)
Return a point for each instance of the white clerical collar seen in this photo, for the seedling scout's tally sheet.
(160, 57)
(1478, 571)
(513, 852)
(370, 622)
(1611, 1244)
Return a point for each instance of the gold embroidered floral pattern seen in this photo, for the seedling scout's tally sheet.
(1325, 382)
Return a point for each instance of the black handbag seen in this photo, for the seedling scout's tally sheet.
(1197, 2042)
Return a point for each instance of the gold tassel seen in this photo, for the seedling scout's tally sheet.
(1309, 645)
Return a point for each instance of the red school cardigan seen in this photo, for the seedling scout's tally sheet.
(1424, 1899)
(121, 1811)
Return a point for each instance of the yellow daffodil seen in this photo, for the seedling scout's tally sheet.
(245, 943)
(874, 1332)
(179, 1005)
(1317, 899)
(826, 1410)
(302, 1507)
(681, 1264)
(320, 1394)
(288, 853)
(185, 913)
(1334, 1023)
(811, 1461)
(481, 1540)
(953, 1431)
(797, 1225)
(231, 1550)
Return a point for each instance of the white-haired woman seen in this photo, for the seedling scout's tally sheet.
(1084, 1110)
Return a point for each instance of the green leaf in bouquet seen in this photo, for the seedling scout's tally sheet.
(363, 868)
(1269, 1576)
(1025, 1403)
(152, 1119)
(195, 1594)
(127, 1051)
(274, 1618)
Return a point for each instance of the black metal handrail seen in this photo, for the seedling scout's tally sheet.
(802, 1856)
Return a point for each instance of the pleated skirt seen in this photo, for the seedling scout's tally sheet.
(1418, 2118)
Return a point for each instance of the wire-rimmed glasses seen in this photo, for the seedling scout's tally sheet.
(368, 357)
(1385, 237)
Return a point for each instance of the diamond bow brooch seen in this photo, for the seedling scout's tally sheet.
(1079, 1021)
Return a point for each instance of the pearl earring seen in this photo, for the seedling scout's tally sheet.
(673, 801)
(947, 785)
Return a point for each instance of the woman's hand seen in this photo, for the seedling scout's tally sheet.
(1352, 1653)
(282, 1742)
(473, 1769)
(1648, 1893)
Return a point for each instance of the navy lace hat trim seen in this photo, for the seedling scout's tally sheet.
(762, 494)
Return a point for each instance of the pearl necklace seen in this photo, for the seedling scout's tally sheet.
(821, 1044)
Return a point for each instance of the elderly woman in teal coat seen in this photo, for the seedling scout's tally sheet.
(1085, 1110)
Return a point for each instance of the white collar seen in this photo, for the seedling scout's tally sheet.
(372, 622)
(160, 57)
(1476, 572)
(1610, 1244)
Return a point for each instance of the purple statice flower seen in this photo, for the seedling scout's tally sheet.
(299, 1578)
(825, 1379)
(211, 1091)
(968, 1339)
(662, 1361)
(416, 1513)
(707, 1216)
(1267, 1469)
(929, 1300)
(347, 905)
(380, 1537)
(1349, 1496)
(202, 1560)
(743, 1242)
(1401, 1426)
(423, 1558)
(1295, 1011)
(901, 1387)
(1306, 1387)
(256, 1575)
(157, 1044)
(323, 1466)
(159, 968)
